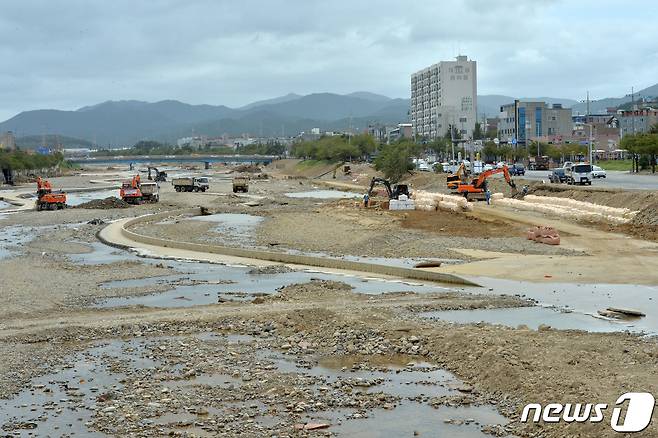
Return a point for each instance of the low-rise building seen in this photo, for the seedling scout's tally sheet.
(8, 141)
(637, 121)
(535, 121)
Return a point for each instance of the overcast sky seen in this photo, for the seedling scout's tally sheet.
(70, 53)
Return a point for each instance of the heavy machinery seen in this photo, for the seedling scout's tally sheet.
(131, 190)
(478, 186)
(457, 178)
(240, 184)
(160, 176)
(191, 184)
(150, 191)
(393, 193)
(47, 199)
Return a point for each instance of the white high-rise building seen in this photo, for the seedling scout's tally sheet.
(445, 94)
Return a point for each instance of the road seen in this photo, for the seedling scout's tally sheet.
(614, 180)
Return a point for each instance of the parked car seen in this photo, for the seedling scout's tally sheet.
(488, 166)
(597, 172)
(557, 175)
(517, 169)
(567, 164)
(579, 174)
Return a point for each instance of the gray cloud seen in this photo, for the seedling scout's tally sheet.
(77, 52)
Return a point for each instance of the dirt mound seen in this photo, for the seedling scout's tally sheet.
(248, 168)
(647, 216)
(633, 199)
(105, 204)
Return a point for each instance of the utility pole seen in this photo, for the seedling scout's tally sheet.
(590, 130)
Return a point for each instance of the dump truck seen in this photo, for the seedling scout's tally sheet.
(150, 191)
(190, 184)
(240, 184)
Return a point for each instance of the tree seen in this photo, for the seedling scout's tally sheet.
(365, 143)
(394, 161)
(477, 132)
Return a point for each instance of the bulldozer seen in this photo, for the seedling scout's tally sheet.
(477, 189)
(47, 199)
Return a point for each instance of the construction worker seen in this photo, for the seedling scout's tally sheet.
(366, 198)
(487, 194)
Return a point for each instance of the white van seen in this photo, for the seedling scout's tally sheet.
(579, 174)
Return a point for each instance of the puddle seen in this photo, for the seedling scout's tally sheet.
(239, 285)
(74, 199)
(412, 382)
(532, 317)
(234, 227)
(4, 204)
(102, 254)
(584, 299)
(63, 402)
(387, 261)
(324, 194)
(14, 236)
(407, 381)
(415, 419)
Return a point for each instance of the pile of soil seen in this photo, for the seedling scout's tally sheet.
(459, 224)
(105, 204)
(248, 168)
(647, 216)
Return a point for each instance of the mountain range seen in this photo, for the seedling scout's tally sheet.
(119, 123)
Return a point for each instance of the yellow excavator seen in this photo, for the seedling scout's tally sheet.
(457, 178)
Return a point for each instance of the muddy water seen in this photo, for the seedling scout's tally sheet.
(4, 204)
(583, 300)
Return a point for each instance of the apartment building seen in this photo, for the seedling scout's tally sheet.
(442, 95)
(637, 121)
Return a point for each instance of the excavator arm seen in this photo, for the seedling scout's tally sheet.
(383, 182)
(479, 182)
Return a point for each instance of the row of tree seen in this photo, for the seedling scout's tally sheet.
(643, 149)
(335, 148)
(20, 160)
(150, 147)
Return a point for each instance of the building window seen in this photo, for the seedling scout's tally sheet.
(462, 120)
(452, 78)
(465, 77)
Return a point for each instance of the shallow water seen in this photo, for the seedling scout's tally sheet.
(585, 299)
(324, 194)
(532, 317)
(243, 286)
(234, 227)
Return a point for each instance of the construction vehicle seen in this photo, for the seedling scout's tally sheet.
(47, 199)
(539, 162)
(190, 184)
(150, 191)
(240, 184)
(478, 187)
(393, 193)
(347, 170)
(160, 176)
(457, 178)
(131, 190)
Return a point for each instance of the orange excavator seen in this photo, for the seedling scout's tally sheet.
(478, 187)
(47, 199)
(131, 190)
